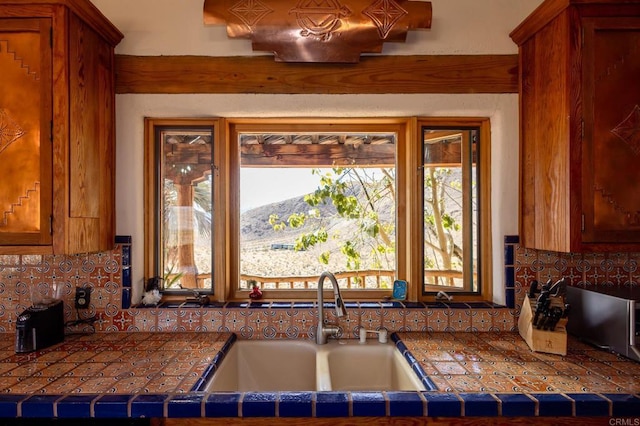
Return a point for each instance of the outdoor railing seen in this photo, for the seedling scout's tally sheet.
(372, 279)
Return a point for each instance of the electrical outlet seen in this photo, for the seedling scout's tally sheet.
(83, 297)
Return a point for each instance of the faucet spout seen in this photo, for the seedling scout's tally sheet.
(325, 330)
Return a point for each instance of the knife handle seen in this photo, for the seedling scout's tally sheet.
(533, 289)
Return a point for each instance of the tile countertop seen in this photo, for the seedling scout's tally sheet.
(113, 375)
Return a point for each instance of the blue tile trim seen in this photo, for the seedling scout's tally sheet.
(457, 305)
(148, 405)
(259, 305)
(368, 404)
(303, 305)
(75, 406)
(510, 297)
(413, 362)
(295, 404)
(414, 305)
(479, 405)
(623, 404)
(39, 406)
(9, 404)
(443, 405)
(332, 404)
(555, 405)
(123, 239)
(588, 404)
(407, 404)
(259, 404)
(369, 305)
(479, 305)
(112, 406)
(222, 405)
(517, 405)
(126, 276)
(231, 305)
(281, 305)
(126, 298)
(508, 254)
(509, 276)
(512, 239)
(126, 255)
(185, 405)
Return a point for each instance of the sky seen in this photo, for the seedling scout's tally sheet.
(262, 186)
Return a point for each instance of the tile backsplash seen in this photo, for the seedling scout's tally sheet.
(109, 276)
(586, 270)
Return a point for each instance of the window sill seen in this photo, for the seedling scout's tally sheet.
(366, 304)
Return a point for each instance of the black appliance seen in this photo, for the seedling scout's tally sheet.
(40, 326)
(607, 317)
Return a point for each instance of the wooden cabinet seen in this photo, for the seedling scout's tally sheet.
(57, 120)
(580, 126)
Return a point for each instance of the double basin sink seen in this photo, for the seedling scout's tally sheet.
(300, 365)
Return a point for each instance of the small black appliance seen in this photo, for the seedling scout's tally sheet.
(40, 326)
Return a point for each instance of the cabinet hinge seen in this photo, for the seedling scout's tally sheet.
(582, 224)
(51, 225)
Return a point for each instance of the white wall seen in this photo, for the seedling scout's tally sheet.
(174, 27)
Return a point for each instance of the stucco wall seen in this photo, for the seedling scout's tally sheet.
(174, 27)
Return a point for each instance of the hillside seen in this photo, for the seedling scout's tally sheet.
(260, 252)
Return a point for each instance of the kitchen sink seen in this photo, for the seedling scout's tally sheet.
(371, 366)
(301, 365)
(265, 365)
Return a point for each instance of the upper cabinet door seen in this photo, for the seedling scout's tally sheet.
(611, 143)
(25, 132)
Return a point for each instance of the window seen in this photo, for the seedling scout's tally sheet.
(451, 204)
(271, 203)
(180, 204)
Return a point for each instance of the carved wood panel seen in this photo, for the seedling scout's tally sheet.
(612, 144)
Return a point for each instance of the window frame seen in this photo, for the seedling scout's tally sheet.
(409, 208)
(485, 262)
(152, 213)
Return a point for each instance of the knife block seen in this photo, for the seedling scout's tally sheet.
(554, 342)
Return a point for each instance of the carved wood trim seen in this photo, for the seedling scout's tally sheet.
(372, 75)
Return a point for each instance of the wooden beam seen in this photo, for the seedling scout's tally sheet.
(364, 155)
(372, 75)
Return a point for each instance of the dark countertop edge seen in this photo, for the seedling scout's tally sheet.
(429, 403)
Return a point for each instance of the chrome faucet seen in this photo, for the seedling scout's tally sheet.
(324, 331)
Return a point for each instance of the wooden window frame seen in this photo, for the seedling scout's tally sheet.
(409, 209)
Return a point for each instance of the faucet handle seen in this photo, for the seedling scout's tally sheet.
(341, 310)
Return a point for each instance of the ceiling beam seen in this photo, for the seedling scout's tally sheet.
(448, 74)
